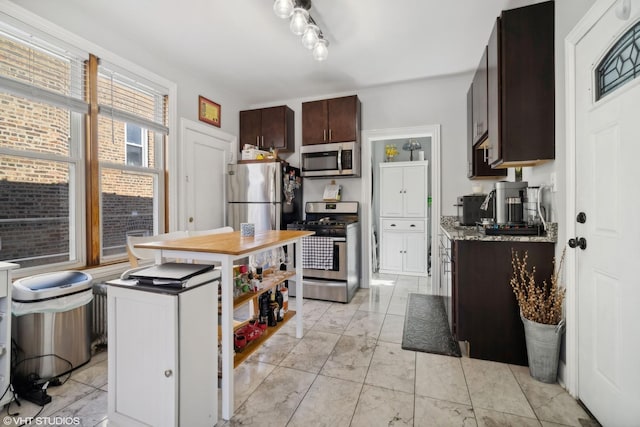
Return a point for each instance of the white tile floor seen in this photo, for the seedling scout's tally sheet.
(349, 370)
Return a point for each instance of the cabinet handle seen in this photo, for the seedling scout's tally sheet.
(258, 141)
(329, 134)
(262, 141)
(412, 225)
(324, 134)
(393, 225)
(168, 373)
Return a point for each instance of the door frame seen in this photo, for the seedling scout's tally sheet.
(593, 15)
(177, 217)
(370, 136)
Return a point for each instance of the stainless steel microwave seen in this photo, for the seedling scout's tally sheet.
(330, 160)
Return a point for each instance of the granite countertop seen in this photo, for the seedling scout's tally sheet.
(458, 232)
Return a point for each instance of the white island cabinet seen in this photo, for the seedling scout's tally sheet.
(404, 217)
(5, 328)
(163, 358)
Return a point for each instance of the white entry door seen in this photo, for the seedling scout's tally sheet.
(607, 176)
(205, 156)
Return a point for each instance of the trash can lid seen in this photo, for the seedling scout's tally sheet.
(50, 285)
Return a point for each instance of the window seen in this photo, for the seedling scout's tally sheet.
(135, 145)
(131, 137)
(621, 64)
(74, 183)
(40, 164)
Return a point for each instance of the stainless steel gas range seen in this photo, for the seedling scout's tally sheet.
(331, 258)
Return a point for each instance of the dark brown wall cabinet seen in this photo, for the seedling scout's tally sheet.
(477, 160)
(521, 87)
(479, 100)
(331, 120)
(486, 312)
(267, 128)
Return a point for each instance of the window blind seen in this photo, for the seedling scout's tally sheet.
(34, 69)
(129, 98)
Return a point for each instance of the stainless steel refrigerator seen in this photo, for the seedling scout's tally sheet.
(268, 195)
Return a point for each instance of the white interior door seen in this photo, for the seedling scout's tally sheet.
(607, 284)
(206, 153)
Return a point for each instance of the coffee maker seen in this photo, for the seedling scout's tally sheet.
(509, 198)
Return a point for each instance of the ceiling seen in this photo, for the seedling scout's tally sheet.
(242, 44)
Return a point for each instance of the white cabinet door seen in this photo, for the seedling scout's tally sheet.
(392, 251)
(403, 190)
(143, 345)
(415, 191)
(391, 191)
(414, 257)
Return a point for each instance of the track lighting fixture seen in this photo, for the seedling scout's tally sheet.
(302, 24)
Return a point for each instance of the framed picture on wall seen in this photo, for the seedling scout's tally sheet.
(208, 111)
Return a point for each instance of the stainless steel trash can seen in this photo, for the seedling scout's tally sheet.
(51, 318)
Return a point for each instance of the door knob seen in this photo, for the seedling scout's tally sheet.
(580, 242)
(581, 218)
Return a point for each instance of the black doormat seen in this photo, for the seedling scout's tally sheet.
(426, 327)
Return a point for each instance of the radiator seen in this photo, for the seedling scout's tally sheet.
(99, 316)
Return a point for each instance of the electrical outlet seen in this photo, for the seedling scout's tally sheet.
(554, 182)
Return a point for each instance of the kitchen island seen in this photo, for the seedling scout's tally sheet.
(475, 271)
(226, 248)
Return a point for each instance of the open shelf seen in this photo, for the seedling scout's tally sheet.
(257, 343)
(268, 282)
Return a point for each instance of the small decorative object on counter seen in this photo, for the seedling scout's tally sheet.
(247, 229)
(390, 152)
(541, 314)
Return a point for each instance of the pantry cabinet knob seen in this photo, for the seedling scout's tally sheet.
(168, 373)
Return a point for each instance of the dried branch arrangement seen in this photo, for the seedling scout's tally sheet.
(539, 303)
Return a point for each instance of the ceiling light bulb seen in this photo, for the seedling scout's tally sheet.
(310, 36)
(299, 21)
(320, 51)
(283, 8)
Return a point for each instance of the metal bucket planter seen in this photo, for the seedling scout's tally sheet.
(543, 349)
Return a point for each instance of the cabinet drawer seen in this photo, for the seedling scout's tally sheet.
(402, 225)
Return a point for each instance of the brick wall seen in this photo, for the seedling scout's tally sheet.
(41, 221)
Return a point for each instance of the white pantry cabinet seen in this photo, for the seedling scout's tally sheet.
(403, 189)
(5, 329)
(163, 359)
(404, 218)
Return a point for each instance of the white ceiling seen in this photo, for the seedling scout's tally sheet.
(242, 44)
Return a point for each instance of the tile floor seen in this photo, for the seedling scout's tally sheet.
(350, 370)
